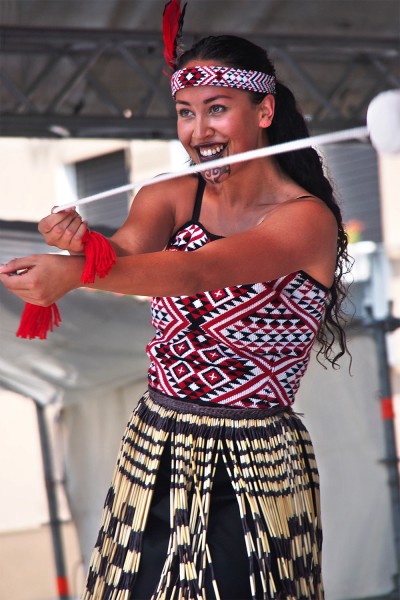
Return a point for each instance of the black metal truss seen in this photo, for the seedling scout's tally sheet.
(110, 84)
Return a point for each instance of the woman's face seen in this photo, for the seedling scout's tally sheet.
(214, 122)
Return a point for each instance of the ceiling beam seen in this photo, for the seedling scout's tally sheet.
(104, 83)
(67, 126)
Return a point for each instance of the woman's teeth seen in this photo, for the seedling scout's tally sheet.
(208, 152)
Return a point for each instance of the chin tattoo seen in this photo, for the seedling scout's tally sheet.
(215, 175)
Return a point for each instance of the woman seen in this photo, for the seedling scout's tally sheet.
(216, 492)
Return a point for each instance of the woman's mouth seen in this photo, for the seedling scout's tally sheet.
(210, 152)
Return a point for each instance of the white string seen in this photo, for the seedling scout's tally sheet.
(317, 140)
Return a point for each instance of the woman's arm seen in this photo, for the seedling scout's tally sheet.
(297, 236)
(148, 227)
(301, 236)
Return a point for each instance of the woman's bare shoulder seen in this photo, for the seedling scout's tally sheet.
(171, 189)
(306, 229)
(305, 209)
(172, 194)
(180, 194)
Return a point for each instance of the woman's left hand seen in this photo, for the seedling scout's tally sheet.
(42, 279)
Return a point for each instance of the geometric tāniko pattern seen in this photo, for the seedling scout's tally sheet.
(241, 346)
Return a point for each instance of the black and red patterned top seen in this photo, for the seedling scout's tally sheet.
(241, 346)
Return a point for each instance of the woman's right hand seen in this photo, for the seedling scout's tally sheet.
(42, 279)
(64, 230)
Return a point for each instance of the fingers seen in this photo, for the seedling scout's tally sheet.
(64, 230)
(56, 223)
(13, 276)
(34, 278)
(17, 266)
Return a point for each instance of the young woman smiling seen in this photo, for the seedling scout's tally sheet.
(216, 492)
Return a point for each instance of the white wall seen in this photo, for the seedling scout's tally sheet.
(389, 170)
(34, 171)
(24, 505)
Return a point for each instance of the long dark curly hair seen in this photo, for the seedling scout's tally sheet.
(303, 166)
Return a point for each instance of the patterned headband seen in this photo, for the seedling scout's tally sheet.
(252, 81)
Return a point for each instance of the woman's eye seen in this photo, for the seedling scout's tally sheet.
(184, 113)
(217, 108)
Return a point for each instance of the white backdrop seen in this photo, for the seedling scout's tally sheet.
(342, 413)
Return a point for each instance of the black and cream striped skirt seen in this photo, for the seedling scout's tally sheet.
(210, 503)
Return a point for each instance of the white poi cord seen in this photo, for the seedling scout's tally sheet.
(317, 140)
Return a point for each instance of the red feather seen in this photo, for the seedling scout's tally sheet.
(172, 28)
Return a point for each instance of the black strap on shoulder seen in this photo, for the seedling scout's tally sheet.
(199, 198)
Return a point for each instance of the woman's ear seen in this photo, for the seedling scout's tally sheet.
(267, 109)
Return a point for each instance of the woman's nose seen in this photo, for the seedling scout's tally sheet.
(202, 128)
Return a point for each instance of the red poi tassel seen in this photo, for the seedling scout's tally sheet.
(37, 321)
(100, 256)
(172, 24)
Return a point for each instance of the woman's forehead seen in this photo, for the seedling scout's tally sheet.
(204, 62)
(207, 93)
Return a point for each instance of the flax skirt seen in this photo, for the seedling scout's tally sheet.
(210, 503)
